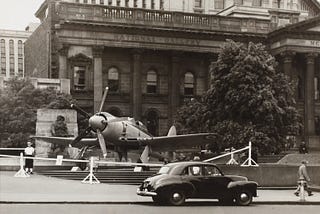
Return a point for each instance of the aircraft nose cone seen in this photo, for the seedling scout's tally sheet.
(98, 122)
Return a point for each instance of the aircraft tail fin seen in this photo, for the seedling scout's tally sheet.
(172, 131)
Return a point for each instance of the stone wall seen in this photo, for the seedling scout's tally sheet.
(273, 175)
(45, 118)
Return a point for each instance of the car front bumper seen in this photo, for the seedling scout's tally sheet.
(145, 192)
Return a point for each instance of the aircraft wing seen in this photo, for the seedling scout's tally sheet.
(172, 143)
(68, 140)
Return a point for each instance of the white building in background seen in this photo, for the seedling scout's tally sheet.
(12, 51)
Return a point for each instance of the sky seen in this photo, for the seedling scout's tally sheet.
(17, 14)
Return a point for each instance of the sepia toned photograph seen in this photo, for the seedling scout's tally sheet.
(159, 106)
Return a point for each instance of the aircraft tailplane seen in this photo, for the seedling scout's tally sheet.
(172, 131)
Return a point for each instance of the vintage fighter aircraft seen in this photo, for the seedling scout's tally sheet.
(125, 133)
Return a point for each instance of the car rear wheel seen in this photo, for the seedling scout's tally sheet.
(176, 197)
(244, 198)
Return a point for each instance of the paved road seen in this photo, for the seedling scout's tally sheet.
(146, 208)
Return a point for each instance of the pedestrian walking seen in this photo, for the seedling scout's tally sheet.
(29, 152)
(303, 179)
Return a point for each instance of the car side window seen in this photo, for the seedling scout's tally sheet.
(195, 170)
(211, 171)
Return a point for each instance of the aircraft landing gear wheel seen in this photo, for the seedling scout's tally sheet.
(82, 165)
(176, 197)
(244, 198)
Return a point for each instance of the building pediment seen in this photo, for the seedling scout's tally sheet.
(315, 29)
(309, 25)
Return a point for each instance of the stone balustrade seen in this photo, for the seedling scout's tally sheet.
(159, 18)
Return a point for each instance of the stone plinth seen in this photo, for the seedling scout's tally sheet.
(45, 119)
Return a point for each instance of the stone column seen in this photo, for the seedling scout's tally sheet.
(63, 67)
(97, 77)
(309, 96)
(174, 87)
(136, 85)
(287, 63)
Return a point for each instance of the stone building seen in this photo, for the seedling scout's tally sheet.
(12, 52)
(155, 54)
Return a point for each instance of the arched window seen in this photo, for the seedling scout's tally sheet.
(151, 82)
(113, 79)
(79, 77)
(11, 59)
(188, 84)
(20, 48)
(3, 56)
(153, 122)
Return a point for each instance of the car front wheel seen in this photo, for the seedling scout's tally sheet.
(176, 197)
(244, 198)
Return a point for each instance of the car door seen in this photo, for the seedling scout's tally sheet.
(213, 183)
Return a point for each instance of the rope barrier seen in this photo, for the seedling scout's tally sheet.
(247, 162)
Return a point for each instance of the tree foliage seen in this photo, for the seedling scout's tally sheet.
(248, 101)
(19, 102)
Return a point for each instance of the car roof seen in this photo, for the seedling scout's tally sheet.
(177, 167)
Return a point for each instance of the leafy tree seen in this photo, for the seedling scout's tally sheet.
(248, 101)
(19, 102)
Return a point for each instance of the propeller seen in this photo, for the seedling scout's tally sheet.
(97, 123)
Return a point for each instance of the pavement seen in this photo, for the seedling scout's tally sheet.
(42, 189)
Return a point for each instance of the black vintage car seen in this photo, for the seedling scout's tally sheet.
(175, 182)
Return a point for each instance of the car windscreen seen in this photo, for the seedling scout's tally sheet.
(164, 170)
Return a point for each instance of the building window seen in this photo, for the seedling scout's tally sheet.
(161, 4)
(3, 47)
(93, 1)
(144, 5)
(257, 3)
(11, 68)
(135, 3)
(85, 1)
(20, 48)
(101, 1)
(3, 64)
(77, 1)
(152, 4)
(316, 88)
(20, 67)
(113, 79)
(277, 4)
(197, 3)
(109, 2)
(188, 84)
(218, 4)
(118, 3)
(151, 82)
(11, 47)
(127, 3)
(79, 77)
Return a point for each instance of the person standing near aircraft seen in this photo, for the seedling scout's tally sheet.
(29, 152)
